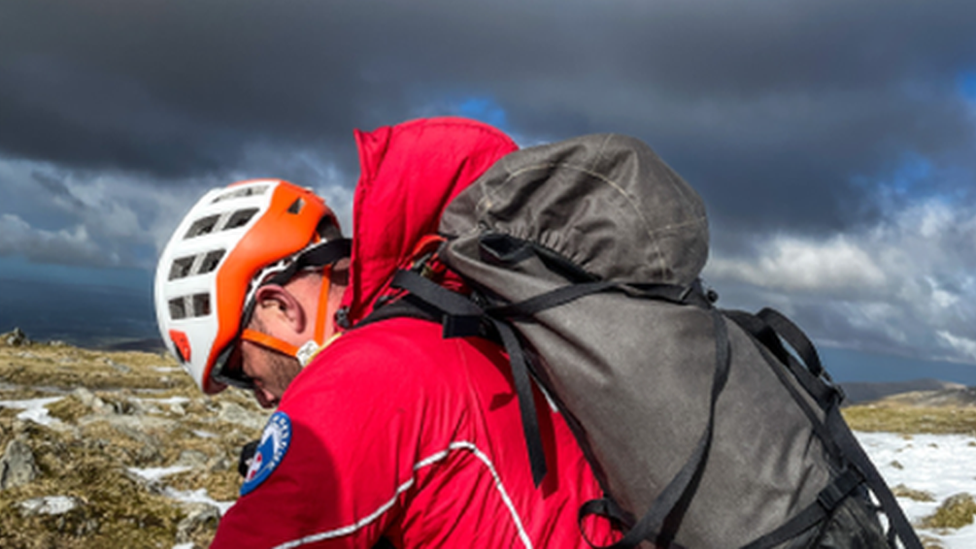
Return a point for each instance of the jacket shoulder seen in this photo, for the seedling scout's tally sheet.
(401, 358)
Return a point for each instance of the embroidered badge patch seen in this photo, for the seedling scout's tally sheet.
(271, 450)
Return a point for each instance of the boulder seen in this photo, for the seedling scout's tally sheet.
(70, 514)
(89, 400)
(231, 412)
(200, 518)
(194, 459)
(15, 338)
(956, 511)
(17, 465)
(120, 368)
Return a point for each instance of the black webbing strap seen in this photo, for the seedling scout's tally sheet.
(325, 254)
(449, 303)
(523, 389)
(399, 308)
(661, 522)
(769, 334)
(603, 507)
(838, 439)
(564, 294)
(899, 524)
(795, 337)
(827, 500)
(760, 330)
(548, 300)
(693, 294)
(456, 306)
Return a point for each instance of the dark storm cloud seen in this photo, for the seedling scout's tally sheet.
(769, 108)
(56, 188)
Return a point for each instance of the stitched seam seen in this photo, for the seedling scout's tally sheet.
(523, 535)
(426, 462)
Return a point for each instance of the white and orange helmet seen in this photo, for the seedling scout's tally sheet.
(232, 241)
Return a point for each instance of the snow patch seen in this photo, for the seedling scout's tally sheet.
(49, 505)
(154, 474)
(197, 496)
(34, 409)
(939, 464)
(167, 401)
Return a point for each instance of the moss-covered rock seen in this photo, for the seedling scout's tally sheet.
(955, 512)
(902, 491)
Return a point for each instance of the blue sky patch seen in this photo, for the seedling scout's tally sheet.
(966, 84)
(484, 109)
(914, 169)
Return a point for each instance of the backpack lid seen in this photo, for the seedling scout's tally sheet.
(606, 202)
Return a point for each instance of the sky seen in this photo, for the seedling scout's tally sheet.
(833, 142)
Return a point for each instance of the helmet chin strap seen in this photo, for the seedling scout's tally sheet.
(312, 347)
(306, 352)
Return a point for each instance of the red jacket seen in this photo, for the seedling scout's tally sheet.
(392, 430)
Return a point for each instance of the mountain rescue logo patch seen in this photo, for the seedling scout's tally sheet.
(271, 450)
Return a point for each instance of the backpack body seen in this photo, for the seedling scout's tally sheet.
(702, 429)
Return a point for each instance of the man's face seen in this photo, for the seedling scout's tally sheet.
(270, 371)
(288, 314)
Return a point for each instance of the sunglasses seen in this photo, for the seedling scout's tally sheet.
(229, 367)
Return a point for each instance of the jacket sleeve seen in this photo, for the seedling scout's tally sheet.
(354, 436)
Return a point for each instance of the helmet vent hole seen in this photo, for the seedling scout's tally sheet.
(181, 268)
(296, 206)
(242, 193)
(190, 306)
(202, 226)
(240, 218)
(210, 262)
(177, 309)
(328, 229)
(195, 265)
(201, 305)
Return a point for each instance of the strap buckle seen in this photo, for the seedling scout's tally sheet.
(835, 492)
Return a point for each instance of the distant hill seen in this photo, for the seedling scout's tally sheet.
(952, 397)
(148, 345)
(861, 392)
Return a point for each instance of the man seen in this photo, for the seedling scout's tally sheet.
(390, 430)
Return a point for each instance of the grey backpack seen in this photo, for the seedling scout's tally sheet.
(703, 429)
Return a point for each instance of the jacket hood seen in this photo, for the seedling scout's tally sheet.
(408, 175)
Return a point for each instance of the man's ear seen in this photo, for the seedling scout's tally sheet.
(279, 305)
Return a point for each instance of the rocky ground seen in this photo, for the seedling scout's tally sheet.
(120, 449)
(113, 449)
